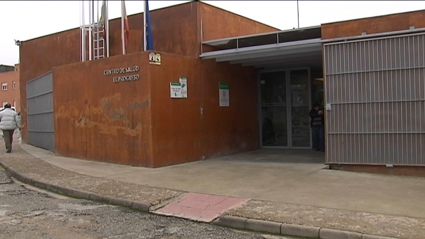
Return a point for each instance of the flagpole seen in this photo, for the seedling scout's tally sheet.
(144, 27)
(97, 43)
(107, 28)
(122, 27)
(83, 34)
(298, 14)
(97, 11)
(90, 30)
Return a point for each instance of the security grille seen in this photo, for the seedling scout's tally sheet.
(376, 92)
(40, 112)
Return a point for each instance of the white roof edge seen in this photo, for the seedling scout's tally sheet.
(373, 35)
(214, 54)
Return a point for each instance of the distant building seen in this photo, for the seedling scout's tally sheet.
(9, 80)
(5, 68)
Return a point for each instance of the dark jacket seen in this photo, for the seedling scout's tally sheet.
(316, 119)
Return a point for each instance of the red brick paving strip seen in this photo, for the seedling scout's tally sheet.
(200, 207)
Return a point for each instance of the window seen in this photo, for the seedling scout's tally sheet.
(4, 86)
(14, 85)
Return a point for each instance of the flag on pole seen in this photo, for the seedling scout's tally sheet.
(103, 13)
(124, 27)
(104, 22)
(148, 38)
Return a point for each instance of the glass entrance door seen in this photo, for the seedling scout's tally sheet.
(285, 104)
(274, 109)
(300, 108)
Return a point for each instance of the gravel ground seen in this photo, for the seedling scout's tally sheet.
(26, 212)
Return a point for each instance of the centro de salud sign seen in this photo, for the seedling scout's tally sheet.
(123, 70)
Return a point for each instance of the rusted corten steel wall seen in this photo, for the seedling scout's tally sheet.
(40, 55)
(218, 23)
(175, 29)
(98, 119)
(235, 128)
(138, 123)
(176, 123)
(197, 127)
(379, 24)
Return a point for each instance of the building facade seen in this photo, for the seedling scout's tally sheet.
(246, 86)
(5, 68)
(137, 122)
(9, 80)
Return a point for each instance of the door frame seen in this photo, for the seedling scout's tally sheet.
(288, 105)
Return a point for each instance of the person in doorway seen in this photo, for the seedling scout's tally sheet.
(268, 132)
(317, 127)
(9, 121)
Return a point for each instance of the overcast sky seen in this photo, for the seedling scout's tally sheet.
(26, 20)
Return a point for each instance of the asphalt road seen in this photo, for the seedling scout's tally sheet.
(27, 212)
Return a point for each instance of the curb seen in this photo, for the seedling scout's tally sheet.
(283, 229)
(241, 223)
(75, 193)
(16, 175)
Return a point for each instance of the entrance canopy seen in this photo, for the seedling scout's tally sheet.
(282, 49)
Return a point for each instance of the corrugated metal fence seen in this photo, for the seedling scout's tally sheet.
(376, 92)
(40, 112)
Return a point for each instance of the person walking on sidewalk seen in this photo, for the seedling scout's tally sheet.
(9, 121)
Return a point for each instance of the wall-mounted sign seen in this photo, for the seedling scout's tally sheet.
(179, 89)
(123, 70)
(175, 90)
(183, 83)
(155, 58)
(224, 93)
(117, 79)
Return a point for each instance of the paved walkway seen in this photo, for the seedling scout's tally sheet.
(261, 190)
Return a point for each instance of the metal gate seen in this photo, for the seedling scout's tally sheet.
(40, 112)
(375, 94)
